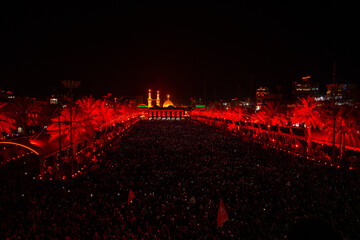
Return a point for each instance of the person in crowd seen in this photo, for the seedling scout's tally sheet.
(178, 171)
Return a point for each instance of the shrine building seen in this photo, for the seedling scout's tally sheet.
(165, 112)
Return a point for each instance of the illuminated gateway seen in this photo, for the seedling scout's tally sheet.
(167, 112)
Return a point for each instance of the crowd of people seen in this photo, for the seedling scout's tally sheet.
(179, 171)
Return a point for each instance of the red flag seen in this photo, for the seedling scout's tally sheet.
(131, 196)
(222, 214)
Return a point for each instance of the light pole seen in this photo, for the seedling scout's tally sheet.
(58, 111)
(71, 84)
(333, 157)
(60, 132)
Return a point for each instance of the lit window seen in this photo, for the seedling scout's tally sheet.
(53, 101)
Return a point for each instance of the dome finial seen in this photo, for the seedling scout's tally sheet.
(168, 102)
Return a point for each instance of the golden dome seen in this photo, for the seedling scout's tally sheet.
(168, 103)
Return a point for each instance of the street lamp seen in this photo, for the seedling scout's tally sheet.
(335, 88)
(71, 84)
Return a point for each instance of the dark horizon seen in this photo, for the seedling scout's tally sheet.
(127, 48)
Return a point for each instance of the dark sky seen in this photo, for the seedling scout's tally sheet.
(127, 47)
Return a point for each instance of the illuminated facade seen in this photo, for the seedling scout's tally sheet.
(260, 94)
(158, 98)
(304, 88)
(150, 100)
(335, 91)
(342, 92)
(168, 102)
(166, 112)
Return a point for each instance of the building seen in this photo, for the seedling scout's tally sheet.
(260, 95)
(342, 92)
(150, 100)
(6, 96)
(305, 87)
(54, 100)
(167, 103)
(167, 112)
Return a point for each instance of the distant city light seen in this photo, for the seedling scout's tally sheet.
(54, 101)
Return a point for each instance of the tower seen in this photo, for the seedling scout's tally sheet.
(149, 99)
(158, 98)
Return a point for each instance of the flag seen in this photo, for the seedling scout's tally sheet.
(222, 214)
(131, 196)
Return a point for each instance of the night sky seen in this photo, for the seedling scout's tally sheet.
(127, 47)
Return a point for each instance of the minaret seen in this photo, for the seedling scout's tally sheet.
(158, 98)
(149, 99)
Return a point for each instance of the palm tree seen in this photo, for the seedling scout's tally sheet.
(26, 111)
(346, 127)
(6, 123)
(235, 113)
(306, 113)
(271, 114)
(87, 116)
(78, 126)
(83, 125)
(43, 114)
(106, 113)
(121, 108)
(89, 107)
